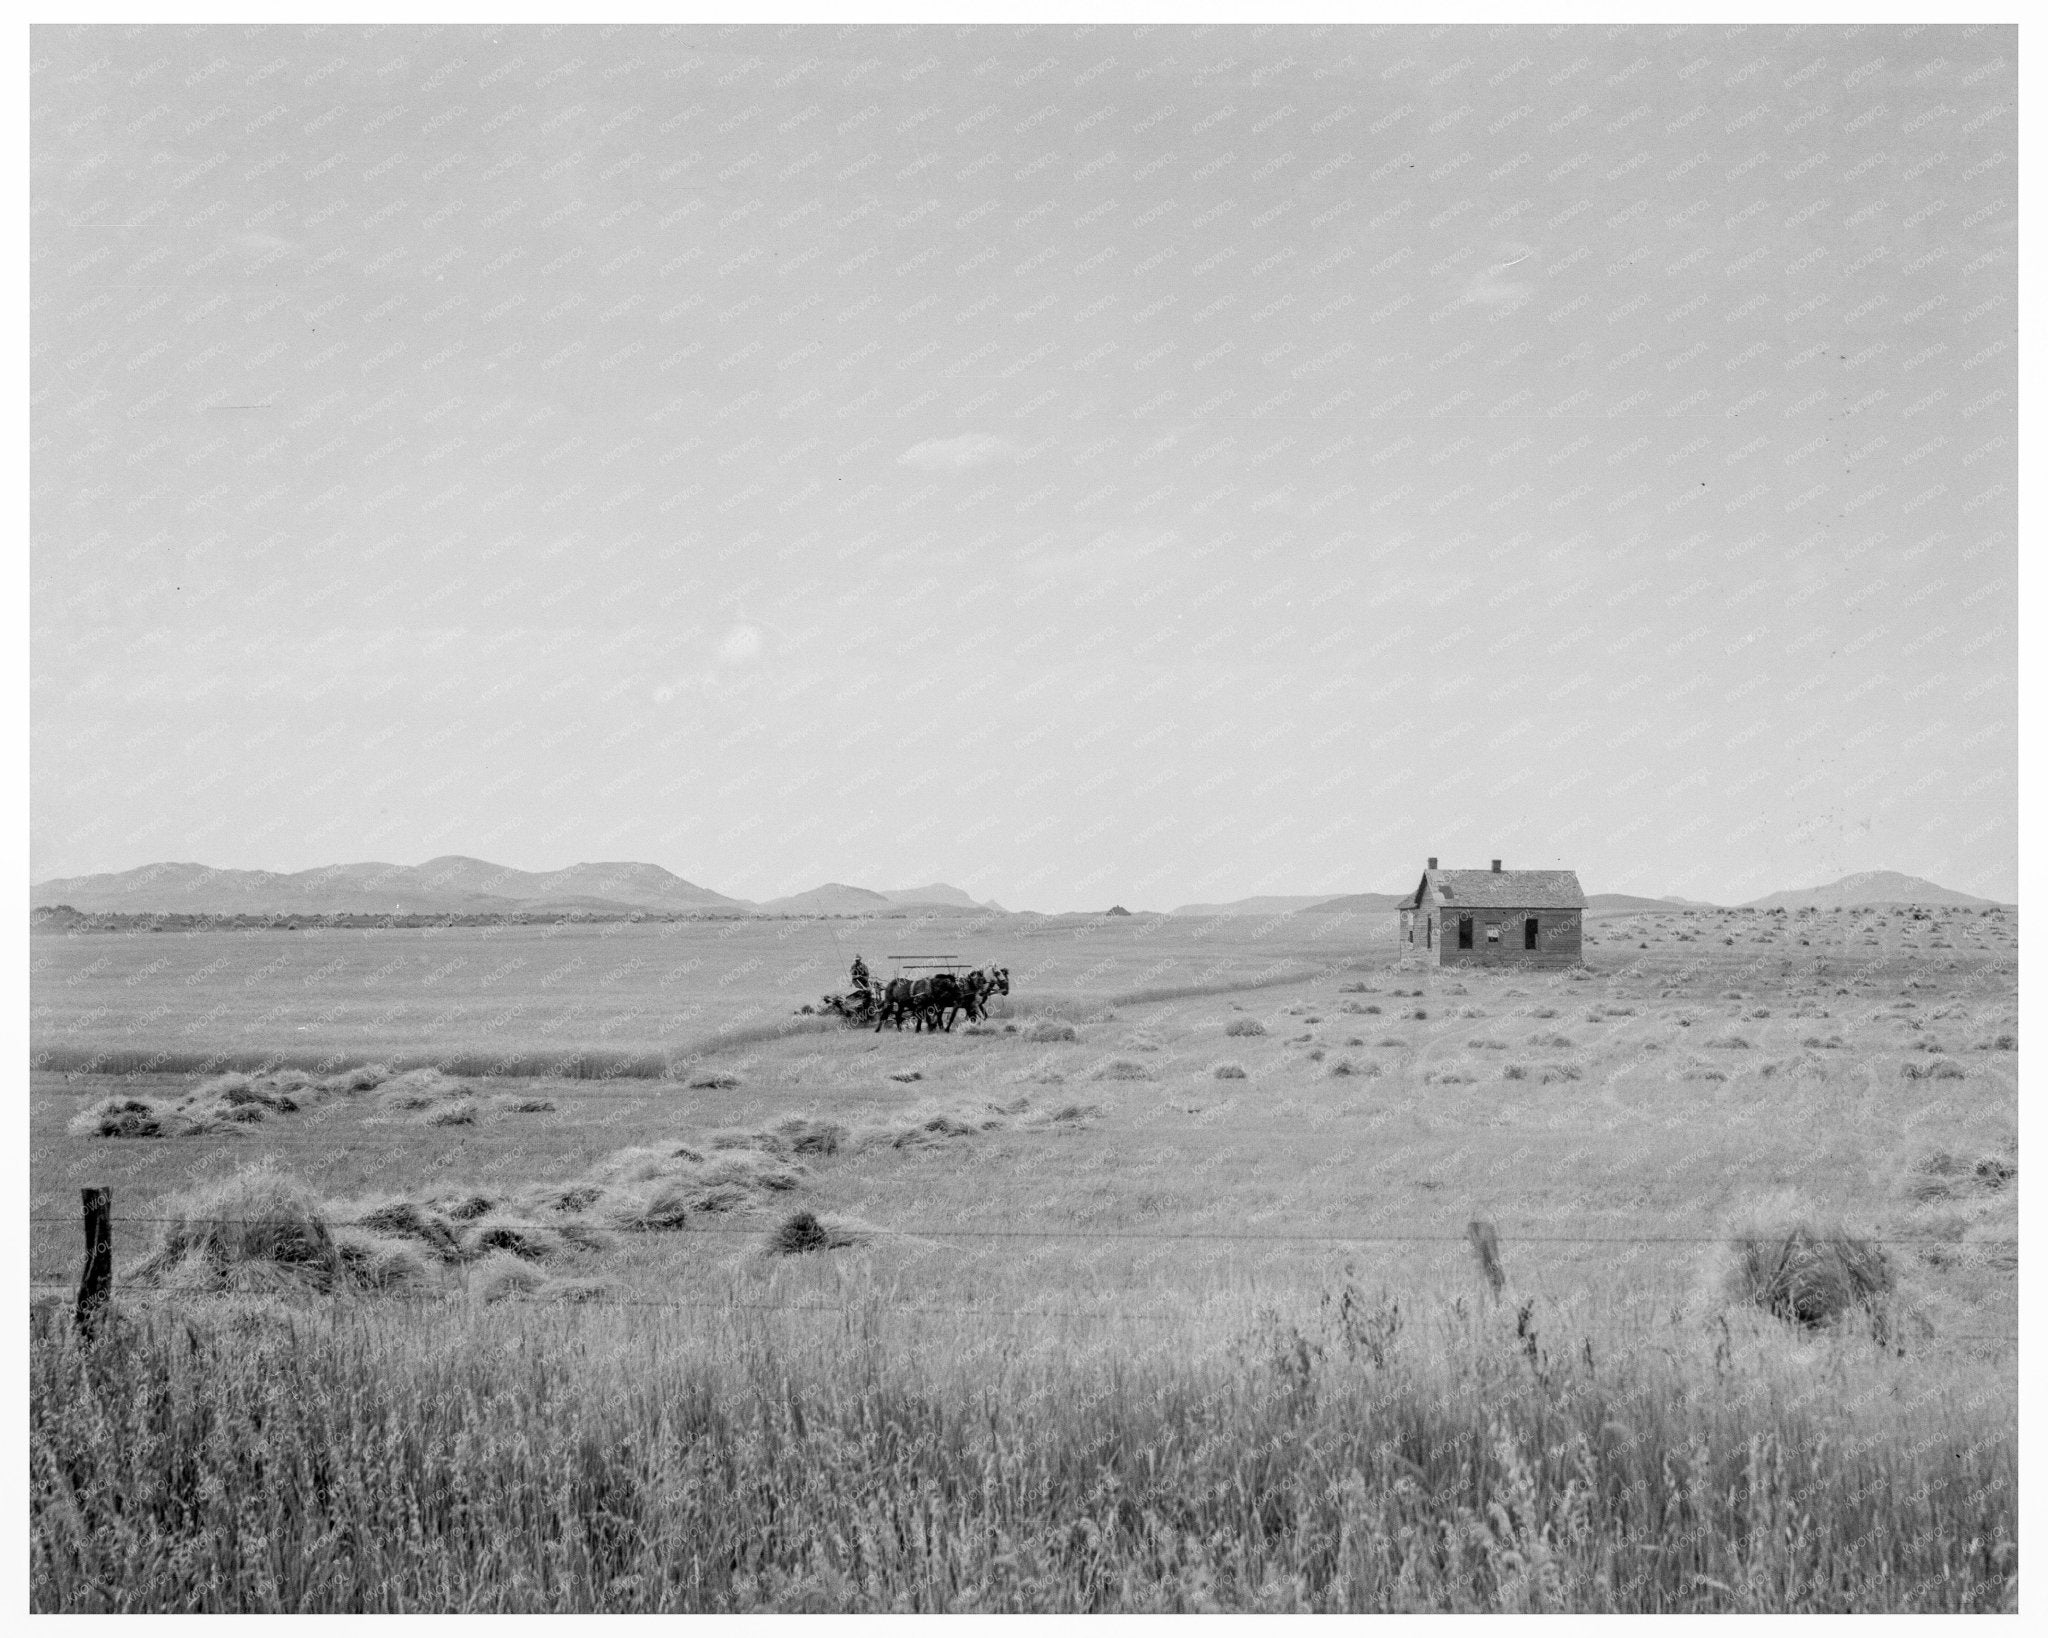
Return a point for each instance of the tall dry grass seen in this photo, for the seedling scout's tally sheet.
(464, 1457)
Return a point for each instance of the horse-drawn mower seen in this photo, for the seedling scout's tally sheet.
(929, 990)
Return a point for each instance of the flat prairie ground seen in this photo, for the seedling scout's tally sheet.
(632, 987)
(1179, 1159)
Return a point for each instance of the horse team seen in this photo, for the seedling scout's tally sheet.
(934, 1003)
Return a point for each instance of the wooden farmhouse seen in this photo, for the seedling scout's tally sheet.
(1494, 918)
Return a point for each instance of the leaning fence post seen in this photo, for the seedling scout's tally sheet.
(1486, 1247)
(96, 1280)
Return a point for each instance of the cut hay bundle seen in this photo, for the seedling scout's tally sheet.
(420, 1089)
(809, 1135)
(528, 1105)
(1805, 1066)
(502, 1278)
(930, 1128)
(363, 1078)
(1230, 1072)
(805, 1231)
(659, 1210)
(256, 1230)
(1069, 1113)
(1943, 1176)
(565, 1198)
(1244, 1026)
(753, 1170)
(375, 1263)
(408, 1220)
(1050, 1029)
(1807, 1277)
(118, 1118)
(462, 1112)
(529, 1242)
(1123, 1069)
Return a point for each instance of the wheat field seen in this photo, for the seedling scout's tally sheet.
(1086, 1324)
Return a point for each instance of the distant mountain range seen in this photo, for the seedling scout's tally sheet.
(454, 884)
(1270, 905)
(457, 885)
(837, 899)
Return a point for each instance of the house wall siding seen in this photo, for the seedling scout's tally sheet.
(1559, 936)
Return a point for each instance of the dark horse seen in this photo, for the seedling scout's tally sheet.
(976, 988)
(913, 998)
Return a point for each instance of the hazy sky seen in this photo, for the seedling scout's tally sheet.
(1080, 465)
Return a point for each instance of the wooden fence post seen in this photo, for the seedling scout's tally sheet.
(1486, 1247)
(96, 1280)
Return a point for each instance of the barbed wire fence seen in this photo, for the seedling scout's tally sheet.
(95, 1285)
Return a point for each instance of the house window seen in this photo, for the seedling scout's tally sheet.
(1529, 934)
(1493, 932)
(1464, 932)
(1431, 939)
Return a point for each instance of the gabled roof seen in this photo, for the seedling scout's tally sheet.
(1503, 889)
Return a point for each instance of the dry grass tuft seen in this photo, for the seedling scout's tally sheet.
(1808, 1277)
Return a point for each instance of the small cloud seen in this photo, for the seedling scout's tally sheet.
(957, 454)
(1490, 288)
(740, 645)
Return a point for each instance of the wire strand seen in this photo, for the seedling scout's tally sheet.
(934, 1232)
(176, 1295)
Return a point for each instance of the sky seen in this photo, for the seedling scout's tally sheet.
(1081, 465)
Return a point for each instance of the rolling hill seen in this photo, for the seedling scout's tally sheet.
(1870, 887)
(1271, 904)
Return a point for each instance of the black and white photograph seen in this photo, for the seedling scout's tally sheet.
(1183, 813)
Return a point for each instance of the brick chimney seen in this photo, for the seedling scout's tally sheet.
(1496, 867)
(1432, 861)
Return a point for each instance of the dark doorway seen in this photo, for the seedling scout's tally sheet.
(1464, 932)
(1529, 934)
